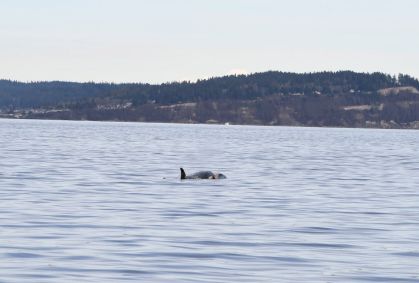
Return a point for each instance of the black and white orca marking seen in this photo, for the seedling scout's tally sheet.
(201, 175)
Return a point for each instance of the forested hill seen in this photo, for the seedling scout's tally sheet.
(37, 94)
(343, 98)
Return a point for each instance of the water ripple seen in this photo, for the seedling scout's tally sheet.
(102, 202)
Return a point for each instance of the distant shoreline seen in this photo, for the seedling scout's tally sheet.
(343, 99)
(208, 124)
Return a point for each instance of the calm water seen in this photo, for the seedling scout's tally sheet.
(102, 202)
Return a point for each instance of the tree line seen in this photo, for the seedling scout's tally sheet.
(15, 94)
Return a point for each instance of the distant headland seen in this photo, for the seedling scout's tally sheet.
(332, 99)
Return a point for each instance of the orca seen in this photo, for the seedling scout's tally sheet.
(201, 175)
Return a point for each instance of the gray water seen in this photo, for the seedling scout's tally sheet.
(102, 202)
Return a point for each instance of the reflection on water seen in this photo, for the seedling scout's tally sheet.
(102, 202)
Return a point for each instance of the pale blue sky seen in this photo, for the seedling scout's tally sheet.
(167, 40)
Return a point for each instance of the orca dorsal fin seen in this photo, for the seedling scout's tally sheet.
(182, 174)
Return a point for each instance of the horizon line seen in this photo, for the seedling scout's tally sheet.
(204, 79)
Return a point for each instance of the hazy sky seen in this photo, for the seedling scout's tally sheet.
(167, 40)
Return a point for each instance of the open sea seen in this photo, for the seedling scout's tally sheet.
(103, 202)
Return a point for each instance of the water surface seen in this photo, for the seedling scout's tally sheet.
(102, 202)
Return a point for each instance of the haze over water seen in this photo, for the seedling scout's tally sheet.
(102, 202)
